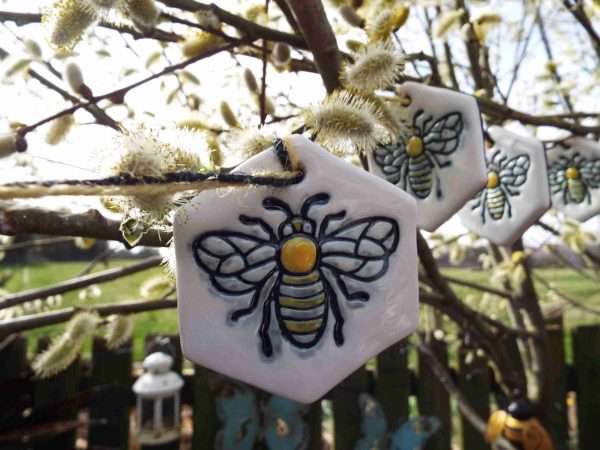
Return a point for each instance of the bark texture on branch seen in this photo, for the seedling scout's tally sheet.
(91, 224)
(312, 20)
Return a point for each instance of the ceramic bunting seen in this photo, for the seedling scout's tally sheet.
(574, 176)
(292, 289)
(516, 194)
(441, 164)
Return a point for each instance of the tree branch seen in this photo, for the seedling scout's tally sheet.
(91, 224)
(77, 283)
(30, 322)
(320, 38)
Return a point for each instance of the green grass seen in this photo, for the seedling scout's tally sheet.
(124, 289)
(165, 322)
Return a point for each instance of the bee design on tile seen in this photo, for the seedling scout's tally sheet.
(298, 270)
(574, 176)
(414, 162)
(504, 177)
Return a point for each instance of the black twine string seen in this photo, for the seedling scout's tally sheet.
(126, 179)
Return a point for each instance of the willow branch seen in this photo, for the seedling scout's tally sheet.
(462, 402)
(30, 322)
(158, 34)
(251, 30)
(577, 10)
(312, 20)
(120, 93)
(15, 221)
(77, 283)
(479, 287)
(35, 244)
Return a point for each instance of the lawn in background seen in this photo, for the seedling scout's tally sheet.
(165, 321)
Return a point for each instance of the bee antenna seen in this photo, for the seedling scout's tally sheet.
(318, 199)
(274, 204)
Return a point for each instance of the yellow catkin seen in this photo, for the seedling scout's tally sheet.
(228, 115)
(387, 21)
(119, 330)
(376, 67)
(67, 21)
(59, 128)
(447, 22)
(199, 43)
(143, 13)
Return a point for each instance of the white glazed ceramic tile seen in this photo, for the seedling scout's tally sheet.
(373, 207)
(450, 169)
(574, 175)
(517, 191)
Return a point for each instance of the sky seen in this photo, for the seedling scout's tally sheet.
(80, 155)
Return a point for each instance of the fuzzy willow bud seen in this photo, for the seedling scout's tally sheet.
(8, 144)
(282, 54)
(59, 129)
(144, 13)
(33, 48)
(74, 78)
(250, 81)
(351, 16)
(199, 43)
(228, 115)
(68, 20)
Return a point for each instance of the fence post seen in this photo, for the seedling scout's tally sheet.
(314, 421)
(13, 360)
(556, 417)
(586, 360)
(206, 422)
(392, 385)
(110, 406)
(56, 397)
(474, 383)
(433, 399)
(346, 413)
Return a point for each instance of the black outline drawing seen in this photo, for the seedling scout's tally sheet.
(512, 173)
(575, 190)
(352, 251)
(440, 138)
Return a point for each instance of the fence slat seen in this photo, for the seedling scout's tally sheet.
(56, 396)
(556, 418)
(474, 382)
(586, 359)
(392, 385)
(433, 399)
(13, 364)
(109, 408)
(314, 420)
(346, 413)
(206, 422)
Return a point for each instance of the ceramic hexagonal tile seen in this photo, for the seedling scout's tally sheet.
(442, 163)
(517, 191)
(292, 289)
(574, 176)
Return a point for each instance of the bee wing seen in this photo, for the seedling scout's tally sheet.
(443, 136)
(390, 158)
(556, 174)
(514, 172)
(360, 249)
(236, 263)
(590, 172)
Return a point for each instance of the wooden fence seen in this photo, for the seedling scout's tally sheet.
(44, 414)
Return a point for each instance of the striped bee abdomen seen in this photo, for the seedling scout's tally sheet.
(420, 175)
(496, 201)
(576, 189)
(301, 308)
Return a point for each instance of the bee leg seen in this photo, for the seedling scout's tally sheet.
(263, 331)
(483, 202)
(338, 334)
(239, 313)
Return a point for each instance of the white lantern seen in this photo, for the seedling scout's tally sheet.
(157, 393)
